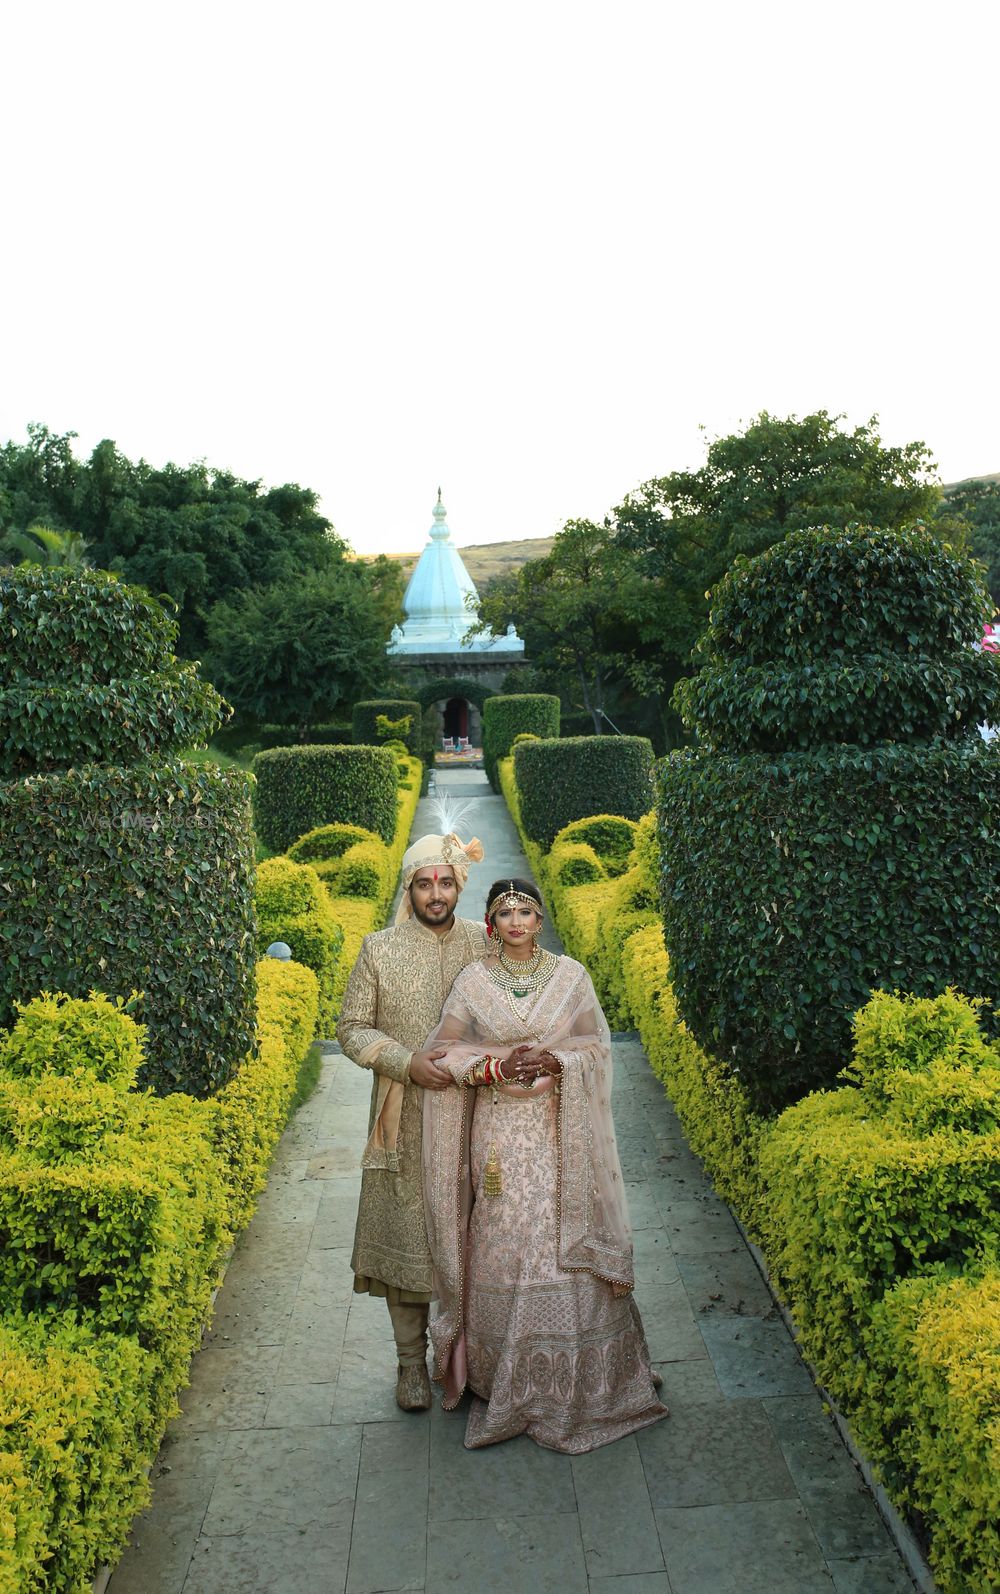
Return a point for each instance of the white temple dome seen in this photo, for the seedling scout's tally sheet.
(440, 601)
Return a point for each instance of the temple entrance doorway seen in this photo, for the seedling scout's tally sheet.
(456, 717)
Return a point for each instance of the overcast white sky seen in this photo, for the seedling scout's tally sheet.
(519, 250)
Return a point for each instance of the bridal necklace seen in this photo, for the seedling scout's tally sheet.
(520, 979)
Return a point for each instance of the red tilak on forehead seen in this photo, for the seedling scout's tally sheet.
(435, 874)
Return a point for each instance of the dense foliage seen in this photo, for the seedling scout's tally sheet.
(365, 716)
(507, 715)
(197, 534)
(115, 1210)
(126, 868)
(570, 778)
(575, 610)
(299, 650)
(136, 879)
(856, 850)
(976, 503)
(299, 788)
(293, 907)
(776, 476)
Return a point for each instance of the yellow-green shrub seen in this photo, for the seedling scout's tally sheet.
(859, 1198)
(611, 836)
(718, 1122)
(363, 871)
(930, 1418)
(574, 863)
(74, 1444)
(249, 1115)
(292, 906)
(68, 1035)
(327, 842)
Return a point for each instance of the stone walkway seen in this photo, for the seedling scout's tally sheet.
(292, 1471)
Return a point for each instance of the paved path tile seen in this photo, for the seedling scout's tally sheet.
(292, 1468)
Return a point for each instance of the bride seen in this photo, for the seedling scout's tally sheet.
(526, 1213)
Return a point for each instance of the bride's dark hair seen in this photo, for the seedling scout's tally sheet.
(502, 888)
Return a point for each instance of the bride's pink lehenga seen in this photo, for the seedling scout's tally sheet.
(535, 1313)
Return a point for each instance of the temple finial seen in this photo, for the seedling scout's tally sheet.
(439, 495)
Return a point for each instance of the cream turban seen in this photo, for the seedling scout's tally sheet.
(437, 852)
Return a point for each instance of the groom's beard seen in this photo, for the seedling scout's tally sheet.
(432, 915)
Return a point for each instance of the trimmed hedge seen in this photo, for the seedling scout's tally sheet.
(793, 887)
(327, 843)
(579, 776)
(505, 715)
(114, 1210)
(299, 788)
(88, 674)
(293, 907)
(365, 716)
(932, 1421)
(247, 1118)
(718, 1121)
(73, 1403)
(838, 828)
(136, 879)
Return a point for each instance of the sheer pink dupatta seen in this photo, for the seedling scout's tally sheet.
(594, 1232)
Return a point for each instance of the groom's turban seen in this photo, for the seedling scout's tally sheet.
(437, 852)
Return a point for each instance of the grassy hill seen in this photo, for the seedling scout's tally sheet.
(485, 560)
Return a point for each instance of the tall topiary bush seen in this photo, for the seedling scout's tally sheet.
(578, 776)
(365, 716)
(121, 866)
(837, 830)
(299, 788)
(504, 716)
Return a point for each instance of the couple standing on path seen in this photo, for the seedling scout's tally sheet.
(491, 1180)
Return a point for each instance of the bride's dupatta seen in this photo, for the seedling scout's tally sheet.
(594, 1233)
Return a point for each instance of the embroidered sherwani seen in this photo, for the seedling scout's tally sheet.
(392, 1002)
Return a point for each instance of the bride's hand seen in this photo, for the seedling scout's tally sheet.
(534, 1060)
(521, 1068)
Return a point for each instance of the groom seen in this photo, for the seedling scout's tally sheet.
(393, 1000)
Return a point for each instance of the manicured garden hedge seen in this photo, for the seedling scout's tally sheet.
(366, 729)
(792, 887)
(505, 715)
(292, 906)
(133, 876)
(299, 788)
(576, 776)
(136, 879)
(115, 1207)
(838, 827)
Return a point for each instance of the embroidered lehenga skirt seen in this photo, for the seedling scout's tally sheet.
(551, 1353)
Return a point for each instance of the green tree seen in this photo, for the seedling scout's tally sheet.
(976, 503)
(573, 609)
(686, 528)
(196, 534)
(296, 651)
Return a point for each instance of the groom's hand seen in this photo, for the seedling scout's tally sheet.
(424, 1069)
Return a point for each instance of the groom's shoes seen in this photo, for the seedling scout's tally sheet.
(413, 1388)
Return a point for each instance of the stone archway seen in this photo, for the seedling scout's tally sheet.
(458, 701)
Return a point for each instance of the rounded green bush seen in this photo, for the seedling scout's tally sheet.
(573, 863)
(804, 863)
(328, 841)
(59, 1034)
